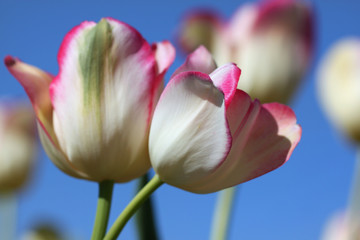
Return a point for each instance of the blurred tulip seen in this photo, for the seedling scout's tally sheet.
(206, 135)
(271, 42)
(338, 228)
(18, 145)
(339, 86)
(43, 232)
(94, 116)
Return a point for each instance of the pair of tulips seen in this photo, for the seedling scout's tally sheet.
(105, 116)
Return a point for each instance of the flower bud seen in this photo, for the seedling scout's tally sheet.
(339, 86)
(18, 145)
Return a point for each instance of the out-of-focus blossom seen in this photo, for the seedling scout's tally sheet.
(43, 232)
(206, 135)
(339, 86)
(338, 228)
(17, 144)
(271, 42)
(94, 116)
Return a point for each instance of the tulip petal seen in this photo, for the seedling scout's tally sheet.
(267, 144)
(199, 61)
(36, 84)
(263, 139)
(56, 156)
(164, 55)
(102, 99)
(189, 136)
(226, 79)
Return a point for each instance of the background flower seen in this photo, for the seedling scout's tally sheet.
(339, 86)
(272, 41)
(18, 145)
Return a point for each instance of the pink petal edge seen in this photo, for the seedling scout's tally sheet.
(226, 79)
(286, 118)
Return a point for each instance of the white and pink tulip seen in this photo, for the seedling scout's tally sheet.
(94, 116)
(207, 135)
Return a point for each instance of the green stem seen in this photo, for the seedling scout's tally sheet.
(103, 209)
(223, 210)
(131, 208)
(353, 211)
(8, 207)
(145, 220)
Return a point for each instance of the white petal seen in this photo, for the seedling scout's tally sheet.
(101, 117)
(189, 136)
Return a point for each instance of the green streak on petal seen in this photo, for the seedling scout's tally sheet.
(95, 63)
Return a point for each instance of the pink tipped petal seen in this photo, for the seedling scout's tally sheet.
(164, 55)
(36, 84)
(226, 78)
(102, 99)
(189, 136)
(263, 140)
(269, 144)
(199, 61)
(241, 116)
(66, 46)
(286, 120)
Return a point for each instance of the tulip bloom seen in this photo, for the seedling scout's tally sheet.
(338, 228)
(206, 135)
(94, 116)
(18, 145)
(339, 86)
(271, 41)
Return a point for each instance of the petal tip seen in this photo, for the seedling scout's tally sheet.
(9, 61)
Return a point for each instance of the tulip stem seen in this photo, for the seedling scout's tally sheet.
(145, 219)
(354, 200)
(223, 210)
(131, 208)
(103, 209)
(8, 207)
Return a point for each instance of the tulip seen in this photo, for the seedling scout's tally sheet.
(18, 145)
(206, 135)
(94, 116)
(339, 86)
(338, 228)
(271, 41)
(43, 231)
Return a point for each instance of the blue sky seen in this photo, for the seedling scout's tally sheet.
(292, 202)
